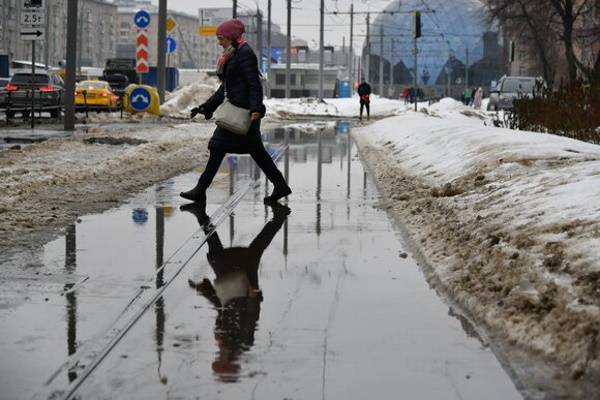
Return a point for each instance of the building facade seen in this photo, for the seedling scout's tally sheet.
(104, 30)
(96, 38)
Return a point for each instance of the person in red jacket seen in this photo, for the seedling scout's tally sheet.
(237, 69)
(364, 92)
(405, 94)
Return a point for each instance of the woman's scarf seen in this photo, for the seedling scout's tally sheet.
(228, 52)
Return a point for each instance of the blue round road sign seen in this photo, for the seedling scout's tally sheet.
(171, 45)
(140, 99)
(142, 19)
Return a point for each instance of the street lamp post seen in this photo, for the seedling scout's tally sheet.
(288, 75)
(351, 53)
(321, 50)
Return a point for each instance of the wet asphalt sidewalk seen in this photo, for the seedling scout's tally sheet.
(316, 300)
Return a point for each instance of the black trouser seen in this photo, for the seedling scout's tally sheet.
(260, 156)
(366, 105)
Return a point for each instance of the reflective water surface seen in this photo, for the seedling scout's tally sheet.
(311, 299)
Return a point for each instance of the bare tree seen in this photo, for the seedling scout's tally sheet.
(530, 24)
(572, 26)
(550, 26)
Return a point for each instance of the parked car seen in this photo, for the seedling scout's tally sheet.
(95, 95)
(42, 92)
(510, 88)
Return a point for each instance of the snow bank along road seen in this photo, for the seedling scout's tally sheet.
(506, 226)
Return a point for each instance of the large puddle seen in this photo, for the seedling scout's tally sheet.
(314, 301)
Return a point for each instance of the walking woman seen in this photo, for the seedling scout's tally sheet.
(237, 69)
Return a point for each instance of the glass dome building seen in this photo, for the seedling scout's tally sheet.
(456, 45)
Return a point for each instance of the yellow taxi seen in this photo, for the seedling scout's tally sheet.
(95, 95)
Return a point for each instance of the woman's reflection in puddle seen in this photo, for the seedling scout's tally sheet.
(234, 292)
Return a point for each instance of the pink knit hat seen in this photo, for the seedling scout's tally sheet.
(231, 29)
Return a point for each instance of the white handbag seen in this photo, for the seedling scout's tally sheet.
(232, 118)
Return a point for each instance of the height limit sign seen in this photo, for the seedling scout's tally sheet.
(33, 19)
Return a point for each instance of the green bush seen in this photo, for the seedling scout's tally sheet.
(570, 111)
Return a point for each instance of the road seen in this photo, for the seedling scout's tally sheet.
(318, 301)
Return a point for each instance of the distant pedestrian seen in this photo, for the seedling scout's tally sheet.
(473, 91)
(364, 92)
(477, 98)
(405, 94)
(467, 96)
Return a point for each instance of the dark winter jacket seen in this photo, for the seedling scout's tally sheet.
(241, 81)
(364, 88)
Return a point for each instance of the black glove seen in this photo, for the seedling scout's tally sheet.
(196, 110)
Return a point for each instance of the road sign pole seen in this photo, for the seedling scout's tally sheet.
(162, 41)
(142, 21)
(32, 85)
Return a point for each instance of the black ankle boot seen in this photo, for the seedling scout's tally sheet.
(199, 211)
(280, 190)
(197, 194)
(280, 212)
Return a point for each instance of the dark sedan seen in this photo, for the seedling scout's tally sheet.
(25, 92)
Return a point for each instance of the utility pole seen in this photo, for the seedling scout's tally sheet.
(70, 68)
(416, 35)
(381, 60)
(351, 61)
(361, 71)
(81, 19)
(392, 70)
(368, 61)
(234, 12)
(288, 50)
(161, 50)
(46, 42)
(415, 52)
(321, 50)
(366, 65)
(467, 68)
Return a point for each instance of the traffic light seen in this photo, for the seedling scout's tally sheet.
(511, 51)
(417, 25)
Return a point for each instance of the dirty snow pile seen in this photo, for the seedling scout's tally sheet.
(48, 185)
(506, 222)
(179, 103)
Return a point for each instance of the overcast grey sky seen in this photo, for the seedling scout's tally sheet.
(305, 16)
